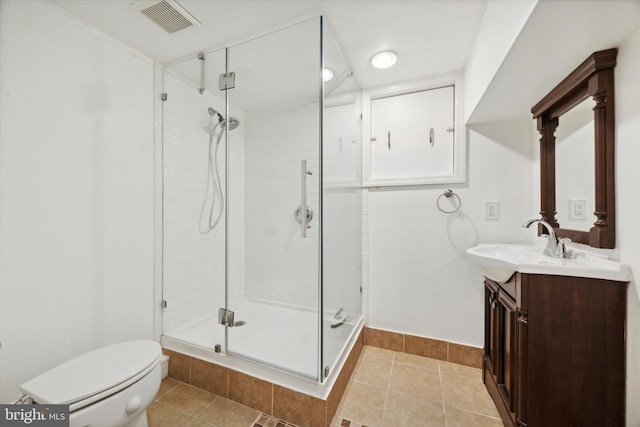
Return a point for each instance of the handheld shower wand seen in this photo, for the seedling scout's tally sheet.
(213, 175)
(214, 113)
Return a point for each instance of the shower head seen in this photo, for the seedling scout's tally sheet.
(214, 113)
(233, 123)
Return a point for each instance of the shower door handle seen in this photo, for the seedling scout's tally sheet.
(303, 213)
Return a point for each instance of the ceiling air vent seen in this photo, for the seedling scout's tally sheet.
(167, 14)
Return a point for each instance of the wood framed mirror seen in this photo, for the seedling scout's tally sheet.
(592, 79)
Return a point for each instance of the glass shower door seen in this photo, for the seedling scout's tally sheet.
(342, 206)
(274, 178)
(193, 221)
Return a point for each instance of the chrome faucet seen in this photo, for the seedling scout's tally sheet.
(555, 248)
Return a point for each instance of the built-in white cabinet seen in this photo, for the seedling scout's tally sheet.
(413, 135)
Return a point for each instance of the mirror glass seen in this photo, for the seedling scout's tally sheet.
(575, 161)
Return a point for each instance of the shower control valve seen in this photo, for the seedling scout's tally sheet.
(298, 215)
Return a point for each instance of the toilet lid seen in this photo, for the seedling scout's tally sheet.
(93, 372)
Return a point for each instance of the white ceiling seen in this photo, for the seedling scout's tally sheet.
(432, 37)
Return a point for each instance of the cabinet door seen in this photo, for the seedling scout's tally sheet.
(412, 135)
(521, 371)
(491, 332)
(506, 367)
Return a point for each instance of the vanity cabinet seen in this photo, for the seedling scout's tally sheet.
(554, 351)
(500, 345)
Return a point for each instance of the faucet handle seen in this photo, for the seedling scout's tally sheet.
(551, 247)
(561, 248)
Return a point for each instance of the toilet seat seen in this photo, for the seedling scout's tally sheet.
(95, 375)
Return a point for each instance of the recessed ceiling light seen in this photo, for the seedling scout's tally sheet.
(384, 59)
(327, 74)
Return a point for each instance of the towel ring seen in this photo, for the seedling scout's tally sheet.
(448, 194)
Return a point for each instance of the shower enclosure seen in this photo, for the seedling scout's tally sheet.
(261, 202)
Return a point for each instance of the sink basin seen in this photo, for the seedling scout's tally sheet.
(500, 262)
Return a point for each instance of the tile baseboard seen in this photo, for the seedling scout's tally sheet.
(423, 346)
(271, 399)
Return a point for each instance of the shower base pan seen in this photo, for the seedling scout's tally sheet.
(264, 337)
(286, 393)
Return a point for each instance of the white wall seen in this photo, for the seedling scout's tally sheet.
(76, 189)
(628, 203)
(501, 25)
(420, 279)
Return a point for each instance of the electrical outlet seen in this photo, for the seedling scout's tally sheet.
(491, 210)
(578, 209)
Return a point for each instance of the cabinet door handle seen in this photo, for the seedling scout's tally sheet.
(389, 140)
(493, 304)
(431, 136)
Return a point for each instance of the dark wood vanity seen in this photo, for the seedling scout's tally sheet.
(555, 344)
(554, 352)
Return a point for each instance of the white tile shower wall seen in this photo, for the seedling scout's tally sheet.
(280, 265)
(342, 245)
(193, 259)
(76, 184)
(342, 256)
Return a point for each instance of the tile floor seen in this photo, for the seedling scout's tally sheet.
(397, 389)
(180, 404)
(386, 389)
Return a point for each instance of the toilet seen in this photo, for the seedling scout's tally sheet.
(108, 387)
